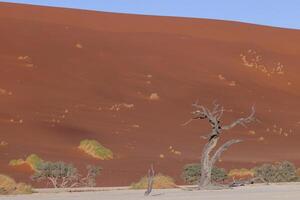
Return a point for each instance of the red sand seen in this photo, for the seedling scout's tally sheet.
(62, 71)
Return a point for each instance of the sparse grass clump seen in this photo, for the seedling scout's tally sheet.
(241, 173)
(280, 172)
(16, 162)
(9, 186)
(32, 160)
(298, 172)
(192, 172)
(160, 181)
(95, 149)
(3, 143)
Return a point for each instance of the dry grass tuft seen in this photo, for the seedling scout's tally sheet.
(160, 182)
(298, 172)
(9, 186)
(3, 143)
(95, 149)
(154, 97)
(5, 92)
(252, 59)
(241, 173)
(79, 46)
(174, 151)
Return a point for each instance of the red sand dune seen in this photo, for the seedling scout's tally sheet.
(63, 71)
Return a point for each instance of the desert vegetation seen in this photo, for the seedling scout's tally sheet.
(241, 174)
(58, 174)
(121, 106)
(266, 173)
(26, 61)
(95, 149)
(192, 173)
(254, 60)
(227, 82)
(64, 175)
(10, 186)
(32, 160)
(152, 180)
(280, 131)
(5, 92)
(3, 143)
(279, 172)
(160, 182)
(154, 97)
(174, 151)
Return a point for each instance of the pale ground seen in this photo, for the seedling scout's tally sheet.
(258, 192)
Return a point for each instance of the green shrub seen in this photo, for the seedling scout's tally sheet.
(160, 181)
(95, 149)
(279, 172)
(63, 175)
(192, 172)
(32, 160)
(56, 173)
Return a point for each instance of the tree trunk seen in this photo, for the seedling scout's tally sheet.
(213, 116)
(206, 165)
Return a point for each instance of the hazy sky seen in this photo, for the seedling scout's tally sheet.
(281, 13)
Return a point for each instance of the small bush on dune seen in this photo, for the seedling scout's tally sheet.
(192, 172)
(9, 186)
(16, 162)
(160, 181)
(95, 149)
(32, 160)
(279, 172)
(23, 188)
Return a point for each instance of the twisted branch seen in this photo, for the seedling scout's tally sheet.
(242, 121)
(223, 148)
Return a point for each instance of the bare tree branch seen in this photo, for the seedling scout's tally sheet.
(223, 148)
(187, 122)
(242, 121)
(53, 181)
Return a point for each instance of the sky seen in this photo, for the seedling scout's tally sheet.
(279, 13)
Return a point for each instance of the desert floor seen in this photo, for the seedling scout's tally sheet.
(257, 192)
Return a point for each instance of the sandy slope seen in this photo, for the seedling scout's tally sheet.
(262, 192)
(68, 75)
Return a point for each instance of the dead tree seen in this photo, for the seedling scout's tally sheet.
(150, 180)
(214, 118)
